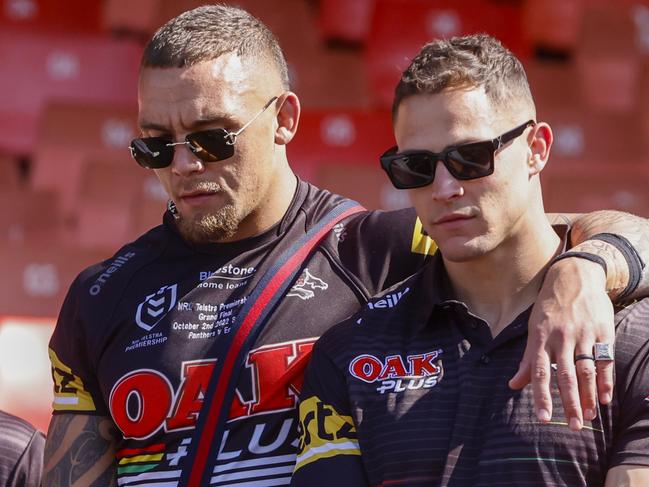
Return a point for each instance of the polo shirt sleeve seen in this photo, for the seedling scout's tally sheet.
(631, 428)
(329, 453)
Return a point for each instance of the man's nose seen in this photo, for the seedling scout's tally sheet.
(184, 160)
(445, 186)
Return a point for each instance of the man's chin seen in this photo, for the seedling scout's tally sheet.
(210, 228)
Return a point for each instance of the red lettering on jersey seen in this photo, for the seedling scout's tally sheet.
(139, 403)
(422, 365)
(195, 379)
(394, 367)
(278, 374)
(366, 367)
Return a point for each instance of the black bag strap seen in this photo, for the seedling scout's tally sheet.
(206, 439)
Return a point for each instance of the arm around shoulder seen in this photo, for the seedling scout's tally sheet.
(80, 451)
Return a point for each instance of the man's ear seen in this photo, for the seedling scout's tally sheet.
(288, 117)
(541, 141)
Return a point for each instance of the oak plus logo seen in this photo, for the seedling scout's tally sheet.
(155, 306)
(396, 374)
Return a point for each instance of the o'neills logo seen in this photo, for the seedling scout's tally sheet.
(119, 261)
(389, 301)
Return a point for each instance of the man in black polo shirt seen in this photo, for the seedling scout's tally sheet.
(413, 390)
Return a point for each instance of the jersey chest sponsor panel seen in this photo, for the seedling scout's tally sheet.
(153, 379)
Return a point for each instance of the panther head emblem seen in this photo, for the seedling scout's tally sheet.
(304, 288)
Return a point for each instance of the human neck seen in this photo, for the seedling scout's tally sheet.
(501, 284)
(271, 208)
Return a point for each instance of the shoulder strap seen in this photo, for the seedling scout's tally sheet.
(206, 439)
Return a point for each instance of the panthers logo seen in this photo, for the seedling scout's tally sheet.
(304, 288)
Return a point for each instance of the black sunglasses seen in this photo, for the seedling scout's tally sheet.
(208, 145)
(414, 169)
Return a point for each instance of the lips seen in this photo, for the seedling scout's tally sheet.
(454, 217)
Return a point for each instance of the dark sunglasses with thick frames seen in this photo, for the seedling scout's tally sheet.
(416, 168)
(208, 145)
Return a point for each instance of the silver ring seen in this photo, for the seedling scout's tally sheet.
(603, 351)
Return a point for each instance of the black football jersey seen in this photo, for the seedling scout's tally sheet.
(135, 336)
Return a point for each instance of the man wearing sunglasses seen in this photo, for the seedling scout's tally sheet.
(413, 389)
(140, 335)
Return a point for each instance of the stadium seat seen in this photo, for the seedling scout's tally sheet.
(150, 204)
(141, 18)
(36, 276)
(10, 177)
(552, 25)
(72, 133)
(40, 67)
(609, 66)
(342, 137)
(104, 206)
(367, 184)
(580, 133)
(401, 27)
(30, 216)
(345, 20)
(80, 16)
(589, 186)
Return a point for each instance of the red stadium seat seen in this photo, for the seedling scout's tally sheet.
(40, 67)
(105, 203)
(10, 177)
(36, 277)
(345, 137)
(609, 66)
(401, 27)
(589, 186)
(552, 24)
(30, 216)
(142, 18)
(366, 184)
(72, 133)
(582, 134)
(81, 16)
(346, 20)
(150, 204)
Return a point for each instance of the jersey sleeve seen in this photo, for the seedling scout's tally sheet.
(383, 248)
(329, 453)
(631, 433)
(76, 389)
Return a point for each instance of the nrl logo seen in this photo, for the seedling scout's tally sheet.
(155, 306)
(304, 288)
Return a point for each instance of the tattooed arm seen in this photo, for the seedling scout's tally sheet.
(573, 311)
(633, 228)
(80, 452)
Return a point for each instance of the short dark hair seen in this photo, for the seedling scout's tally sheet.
(471, 61)
(207, 32)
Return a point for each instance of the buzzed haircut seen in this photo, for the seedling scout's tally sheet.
(471, 61)
(207, 32)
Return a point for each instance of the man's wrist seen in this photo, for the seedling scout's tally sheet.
(617, 270)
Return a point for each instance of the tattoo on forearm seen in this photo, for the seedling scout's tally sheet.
(633, 228)
(80, 452)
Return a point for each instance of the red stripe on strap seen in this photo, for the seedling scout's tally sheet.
(211, 422)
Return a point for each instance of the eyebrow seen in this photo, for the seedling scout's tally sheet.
(201, 123)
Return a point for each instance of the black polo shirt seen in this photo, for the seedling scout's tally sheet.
(413, 391)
